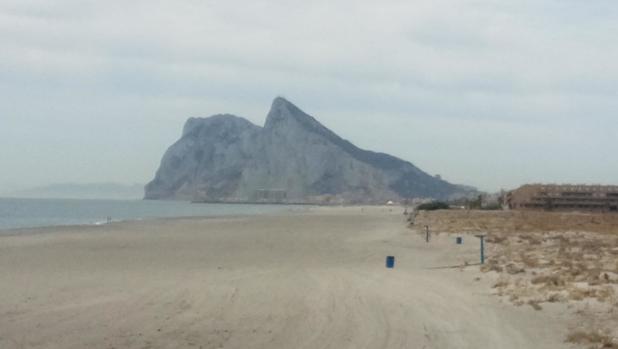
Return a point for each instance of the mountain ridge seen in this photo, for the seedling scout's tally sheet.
(292, 158)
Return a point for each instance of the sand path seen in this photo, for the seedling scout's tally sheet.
(296, 280)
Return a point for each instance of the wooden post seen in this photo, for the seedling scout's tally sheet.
(482, 238)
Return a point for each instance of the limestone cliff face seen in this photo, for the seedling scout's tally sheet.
(293, 158)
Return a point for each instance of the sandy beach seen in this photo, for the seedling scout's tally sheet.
(310, 279)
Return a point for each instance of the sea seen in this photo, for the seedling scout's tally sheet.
(32, 213)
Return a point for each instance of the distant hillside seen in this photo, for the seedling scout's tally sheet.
(111, 191)
(293, 158)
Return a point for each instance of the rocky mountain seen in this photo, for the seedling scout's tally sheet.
(293, 158)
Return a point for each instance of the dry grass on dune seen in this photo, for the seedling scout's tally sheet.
(457, 221)
(594, 339)
(549, 257)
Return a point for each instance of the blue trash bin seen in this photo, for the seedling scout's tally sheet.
(459, 240)
(390, 262)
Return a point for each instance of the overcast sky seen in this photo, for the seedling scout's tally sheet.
(487, 93)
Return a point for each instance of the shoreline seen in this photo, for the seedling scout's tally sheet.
(50, 229)
(218, 210)
(280, 208)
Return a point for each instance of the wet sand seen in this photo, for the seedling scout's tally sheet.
(313, 279)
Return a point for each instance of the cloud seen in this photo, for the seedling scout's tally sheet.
(466, 72)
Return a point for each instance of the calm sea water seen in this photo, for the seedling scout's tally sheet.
(30, 213)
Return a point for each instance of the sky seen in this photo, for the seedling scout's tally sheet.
(486, 93)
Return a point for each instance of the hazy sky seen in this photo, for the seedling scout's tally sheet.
(484, 92)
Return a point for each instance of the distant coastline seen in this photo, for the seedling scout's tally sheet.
(262, 203)
(92, 191)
